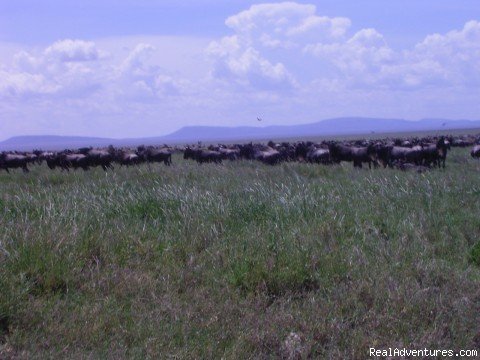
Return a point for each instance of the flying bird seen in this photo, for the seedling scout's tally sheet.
(259, 119)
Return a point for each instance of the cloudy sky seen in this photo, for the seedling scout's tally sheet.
(144, 68)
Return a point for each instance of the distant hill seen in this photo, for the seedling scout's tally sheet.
(330, 127)
(192, 134)
(51, 142)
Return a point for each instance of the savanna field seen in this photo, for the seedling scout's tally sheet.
(239, 260)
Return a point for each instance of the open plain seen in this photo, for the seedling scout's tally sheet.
(239, 260)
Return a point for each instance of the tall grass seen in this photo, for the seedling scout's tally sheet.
(238, 260)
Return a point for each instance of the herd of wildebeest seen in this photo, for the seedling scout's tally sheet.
(415, 153)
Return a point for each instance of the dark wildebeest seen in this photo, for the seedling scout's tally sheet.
(75, 161)
(461, 142)
(318, 155)
(247, 151)
(475, 153)
(13, 161)
(53, 160)
(32, 158)
(389, 155)
(203, 156)
(410, 167)
(151, 154)
(435, 154)
(267, 155)
(229, 154)
(358, 155)
(189, 153)
(127, 158)
(301, 150)
(97, 157)
(263, 153)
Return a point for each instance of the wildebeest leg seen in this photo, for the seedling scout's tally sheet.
(25, 169)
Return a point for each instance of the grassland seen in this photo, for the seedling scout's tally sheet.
(240, 260)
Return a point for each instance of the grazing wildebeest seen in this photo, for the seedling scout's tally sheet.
(462, 142)
(410, 167)
(67, 160)
(188, 153)
(302, 149)
(390, 154)
(151, 154)
(13, 161)
(203, 156)
(358, 155)
(318, 155)
(52, 159)
(207, 156)
(32, 158)
(247, 151)
(475, 153)
(228, 153)
(435, 154)
(267, 155)
(127, 158)
(100, 158)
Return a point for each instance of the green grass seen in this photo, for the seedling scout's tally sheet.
(236, 260)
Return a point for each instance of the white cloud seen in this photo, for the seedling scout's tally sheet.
(23, 83)
(134, 63)
(247, 68)
(283, 61)
(286, 20)
(452, 59)
(455, 56)
(72, 50)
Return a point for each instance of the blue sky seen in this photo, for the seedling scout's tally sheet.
(142, 68)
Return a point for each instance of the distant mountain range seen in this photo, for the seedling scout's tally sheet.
(192, 134)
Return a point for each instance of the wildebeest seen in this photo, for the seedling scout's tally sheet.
(263, 153)
(203, 155)
(406, 154)
(425, 154)
(74, 161)
(267, 155)
(100, 158)
(13, 161)
(475, 153)
(229, 154)
(318, 155)
(435, 154)
(151, 154)
(359, 155)
(126, 157)
(410, 167)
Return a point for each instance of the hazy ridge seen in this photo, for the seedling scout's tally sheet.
(189, 134)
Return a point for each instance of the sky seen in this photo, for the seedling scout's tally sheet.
(128, 68)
